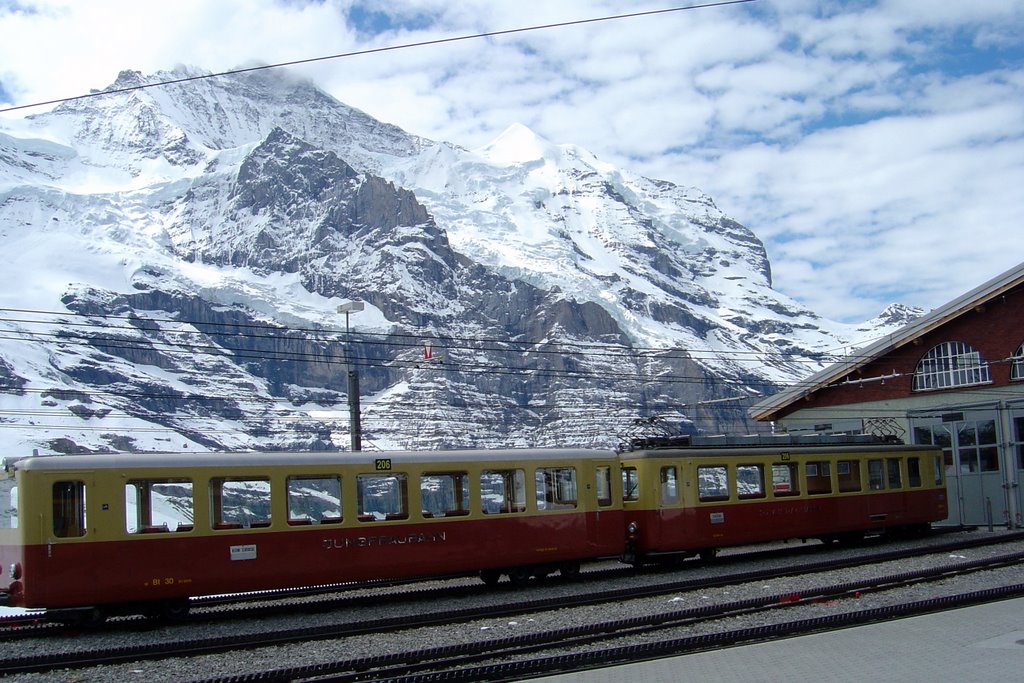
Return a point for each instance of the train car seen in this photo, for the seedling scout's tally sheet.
(143, 533)
(684, 501)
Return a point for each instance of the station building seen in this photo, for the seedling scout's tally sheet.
(953, 378)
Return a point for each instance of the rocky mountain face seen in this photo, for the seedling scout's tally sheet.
(178, 255)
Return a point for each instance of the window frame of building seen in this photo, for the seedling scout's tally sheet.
(1017, 364)
(951, 364)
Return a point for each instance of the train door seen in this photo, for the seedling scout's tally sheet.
(54, 537)
(10, 533)
(974, 476)
(8, 502)
(607, 511)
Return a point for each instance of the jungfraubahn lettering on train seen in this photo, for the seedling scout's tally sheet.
(371, 541)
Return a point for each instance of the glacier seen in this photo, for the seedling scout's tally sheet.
(176, 256)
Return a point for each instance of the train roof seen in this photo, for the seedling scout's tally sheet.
(694, 446)
(759, 451)
(319, 458)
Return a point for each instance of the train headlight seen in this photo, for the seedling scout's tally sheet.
(15, 571)
(633, 527)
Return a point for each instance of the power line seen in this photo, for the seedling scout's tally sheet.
(391, 48)
(452, 364)
(439, 341)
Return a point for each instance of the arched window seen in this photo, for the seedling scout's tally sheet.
(1017, 369)
(950, 364)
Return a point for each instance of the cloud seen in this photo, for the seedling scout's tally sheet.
(875, 146)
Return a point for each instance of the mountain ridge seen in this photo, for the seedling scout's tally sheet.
(562, 299)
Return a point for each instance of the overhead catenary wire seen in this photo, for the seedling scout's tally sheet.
(139, 326)
(452, 363)
(376, 50)
(415, 339)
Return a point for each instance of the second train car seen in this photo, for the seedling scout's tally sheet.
(712, 494)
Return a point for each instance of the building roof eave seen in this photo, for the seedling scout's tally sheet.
(769, 408)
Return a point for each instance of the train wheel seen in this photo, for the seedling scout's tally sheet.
(175, 610)
(909, 531)
(569, 570)
(708, 555)
(850, 538)
(519, 576)
(490, 577)
(87, 617)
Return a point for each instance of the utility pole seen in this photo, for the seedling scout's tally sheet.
(355, 425)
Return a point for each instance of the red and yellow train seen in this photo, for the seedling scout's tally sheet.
(143, 533)
(698, 499)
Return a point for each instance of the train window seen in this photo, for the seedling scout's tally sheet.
(444, 494)
(895, 478)
(382, 497)
(750, 481)
(503, 491)
(603, 486)
(785, 479)
(713, 482)
(819, 478)
(68, 509)
(938, 470)
(314, 499)
(669, 486)
(876, 475)
(914, 472)
(630, 484)
(849, 476)
(555, 488)
(156, 505)
(239, 502)
(8, 504)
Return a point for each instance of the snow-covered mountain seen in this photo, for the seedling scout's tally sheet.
(176, 257)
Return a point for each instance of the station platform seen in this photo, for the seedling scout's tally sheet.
(980, 643)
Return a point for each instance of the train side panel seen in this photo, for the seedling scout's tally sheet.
(686, 502)
(95, 536)
(159, 569)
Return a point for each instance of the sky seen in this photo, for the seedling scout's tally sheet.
(876, 147)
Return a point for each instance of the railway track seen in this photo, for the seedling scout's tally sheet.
(516, 659)
(199, 646)
(523, 656)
